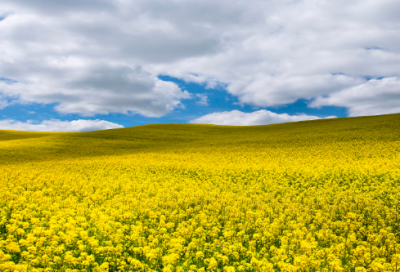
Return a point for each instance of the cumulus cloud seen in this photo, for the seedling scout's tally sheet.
(58, 126)
(98, 89)
(377, 96)
(3, 103)
(97, 57)
(301, 49)
(261, 117)
(202, 99)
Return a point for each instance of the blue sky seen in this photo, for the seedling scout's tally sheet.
(218, 100)
(106, 64)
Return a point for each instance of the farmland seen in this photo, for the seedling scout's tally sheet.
(309, 196)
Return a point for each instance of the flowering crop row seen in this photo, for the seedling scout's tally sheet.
(286, 198)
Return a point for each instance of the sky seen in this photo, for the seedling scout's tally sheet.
(82, 65)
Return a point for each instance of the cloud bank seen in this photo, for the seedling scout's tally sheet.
(99, 57)
(261, 117)
(58, 126)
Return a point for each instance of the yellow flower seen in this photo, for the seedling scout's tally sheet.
(312, 196)
(13, 247)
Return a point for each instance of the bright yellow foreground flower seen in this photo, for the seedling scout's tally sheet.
(309, 196)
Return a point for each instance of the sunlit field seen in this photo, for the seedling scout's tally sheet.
(309, 196)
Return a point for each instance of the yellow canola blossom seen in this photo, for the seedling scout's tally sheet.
(309, 196)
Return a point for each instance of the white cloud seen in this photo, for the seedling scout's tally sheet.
(377, 96)
(97, 57)
(302, 49)
(271, 91)
(57, 125)
(3, 104)
(202, 99)
(97, 88)
(261, 117)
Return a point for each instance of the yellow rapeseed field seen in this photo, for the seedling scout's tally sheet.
(310, 196)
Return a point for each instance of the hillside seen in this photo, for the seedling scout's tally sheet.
(318, 195)
(19, 146)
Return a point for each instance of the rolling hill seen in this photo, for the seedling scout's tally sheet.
(317, 195)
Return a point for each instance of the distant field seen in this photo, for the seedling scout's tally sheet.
(309, 196)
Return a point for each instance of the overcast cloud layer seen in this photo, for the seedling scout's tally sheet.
(100, 57)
